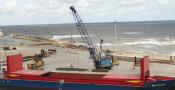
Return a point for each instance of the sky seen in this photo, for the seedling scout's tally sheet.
(22, 12)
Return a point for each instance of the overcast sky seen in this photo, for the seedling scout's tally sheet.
(17, 12)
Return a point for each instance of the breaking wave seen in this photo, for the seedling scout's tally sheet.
(131, 33)
(151, 42)
(58, 37)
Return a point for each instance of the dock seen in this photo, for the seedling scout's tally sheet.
(120, 55)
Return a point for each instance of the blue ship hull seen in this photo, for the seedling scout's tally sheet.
(161, 85)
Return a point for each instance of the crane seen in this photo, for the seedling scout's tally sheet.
(100, 61)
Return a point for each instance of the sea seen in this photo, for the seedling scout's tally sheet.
(140, 36)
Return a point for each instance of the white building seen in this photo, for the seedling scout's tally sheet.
(1, 34)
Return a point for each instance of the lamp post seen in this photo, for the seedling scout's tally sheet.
(115, 23)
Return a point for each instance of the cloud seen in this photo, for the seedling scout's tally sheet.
(52, 7)
(90, 10)
(131, 3)
(86, 7)
(11, 4)
(83, 3)
(163, 2)
(7, 7)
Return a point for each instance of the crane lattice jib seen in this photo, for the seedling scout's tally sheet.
(84, 34)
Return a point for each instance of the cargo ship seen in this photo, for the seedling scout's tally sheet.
(17, 76)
